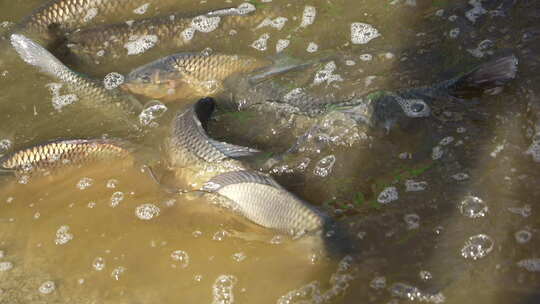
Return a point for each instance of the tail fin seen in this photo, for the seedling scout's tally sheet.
(34, 54)
(487, 76)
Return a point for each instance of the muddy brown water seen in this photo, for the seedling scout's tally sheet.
(73, 229)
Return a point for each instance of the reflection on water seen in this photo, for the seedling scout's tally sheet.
(443, 208)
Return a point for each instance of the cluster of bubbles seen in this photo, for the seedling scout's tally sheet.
(278, 23)
(282, 44)
(141, 10)
(5, 265)
(532, 265)
(113, 80)
(147, 211)
(47, 287)
(308, 16)
(222, 290)
(477, 247)
(139, 44)
(324, 166)
(534, 148)
(85, 183)
(181, 257)
(152, 111)
(326, 74)
(239, 256)
(414, 186)
(412, 220)
(412, 293)
(203, 24)
(63, 236)
(5, 145)
(117, 272)
(473, 207)
(116, 198)
(388, 195)
(60, 101)
(98, 264)
(261, 43)
(362, 33)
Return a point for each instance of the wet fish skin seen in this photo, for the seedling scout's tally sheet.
(113, 103)
(107, 42)
(188, 75)
(189, 145)
(63, 153)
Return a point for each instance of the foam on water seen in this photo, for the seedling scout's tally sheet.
(362, 33)
(5, 145)
(63, 236)
(312, 47)
(414, 186)
(412, 293)
(277, 23)
(141, 9)
(412, 220)
(327, 74)
(532, 265)
(474, 13)
(425, 275)
(116, 198)
(477, 247)
(523, 236)
(378, 283)
(388, 195)
(366, 57)
(85, 183)
(147, 211)
(524, 211)
(98, 264)
(261, 43)
(534, 148)
(460, 176)
(281, 44)
(222, 290)
(205, 24)
(5, 266)
(454, 33)
(308, 16)
(181, 257)
(117, 272)
(140, 44)
(473, 207)
(324, 166)
(113, 80)
(47, 287)
(153, 110)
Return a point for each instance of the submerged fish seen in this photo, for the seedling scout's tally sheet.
(55, 155)
(188, 75)
(108, 43)
(379, 109)
(112, 103)
(189, 144)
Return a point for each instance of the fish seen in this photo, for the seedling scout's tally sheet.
(114, 104)
(109, 43)
(55, 155)
(384, 110)
(188, 75)
(189, 144)
(52, 21)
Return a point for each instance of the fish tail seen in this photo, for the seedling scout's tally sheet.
(489, 75)
(34, 54)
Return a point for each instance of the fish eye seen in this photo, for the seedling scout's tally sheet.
(417, 107)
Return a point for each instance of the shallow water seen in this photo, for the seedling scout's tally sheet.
(463, 228)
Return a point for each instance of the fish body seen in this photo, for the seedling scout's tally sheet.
(113, 103)
(189, 145)
(382, 109)
(107, 43)
(188, 75)
(63, 153)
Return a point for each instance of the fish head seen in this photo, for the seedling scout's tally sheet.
(158, 79)
(392, 111)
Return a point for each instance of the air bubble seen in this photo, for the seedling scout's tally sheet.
(113, 80)
(63, 236)
(425, 275)
(141, 9)
(117, 272)
(220, 235)
(525, 211)
(447, 140)
(47, 287)
(327, 74)
(116, 198)
(261, 43)
(5, 266)
(388, 195)
(473, 207)
(362, 33)
(366, 57)
(460, 176)
(188, 34)
(152, 111)
(181, 257)
(308, 16)
(85, 183)
(523, 236)
(61, 101)
(281, 44)
(454, 33)
(222, 290)
(140, 44)
(532, 265)
(412, 220)
(112, 183)
(147, 211)
(534, 148)
(477, 247)
(239, 256)
(5, 145)
(475, 12)
(246, 8)
(98, 264)
(414, 186)
(205, 24)
(312, 47)
(378, 283)
(278, 23)
(324, 166)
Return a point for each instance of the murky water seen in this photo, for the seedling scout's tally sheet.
(443, 210)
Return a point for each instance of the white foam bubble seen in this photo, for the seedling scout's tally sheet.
(63, 236)
(473, 207)
(98, 264)
(414, 186)
(389, 194)
(281, 44)
(205, 24)
(85, 183)
(425, 275)
(454, 33)
(113, 80)
(412, 293)
(47, 287)
(532, 265)
(437, 152)
(523, 236)
(141, 9)
(446, 141)
(277, 23)
(312, 47)
(188, 33)
(412, 220)
(116, 198)
(460, 176)
(140, 44)
(61, 101)
(147, 211)
(117, 272)
(308, 16)
(378, 283)
(362, 33)
(181, 257)
(152, 111)
(261, 43)
(222, 290)
(239, 256)
(5, 145)
(112, 183)
(477, 247)
(324, 166)
(246, 8)
(474, 13)
(327, 74)
(524, 211)
(5, 266)
(534, 148)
